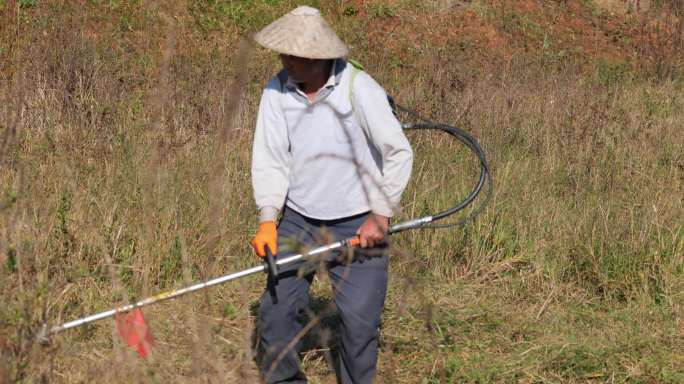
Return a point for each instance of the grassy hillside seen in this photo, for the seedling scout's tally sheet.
(125, 134)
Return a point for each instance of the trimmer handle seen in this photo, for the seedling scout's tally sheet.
(272, 273)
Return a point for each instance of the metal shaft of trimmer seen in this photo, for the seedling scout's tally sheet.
(352, 241)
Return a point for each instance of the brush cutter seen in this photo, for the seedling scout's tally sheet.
(270, 266)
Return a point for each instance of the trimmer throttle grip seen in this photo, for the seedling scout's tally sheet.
(272, 273)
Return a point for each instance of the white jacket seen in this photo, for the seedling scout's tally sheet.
(326, 159)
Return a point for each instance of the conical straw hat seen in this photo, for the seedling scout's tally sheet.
(303, 33)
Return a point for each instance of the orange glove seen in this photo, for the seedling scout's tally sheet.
(266, 235)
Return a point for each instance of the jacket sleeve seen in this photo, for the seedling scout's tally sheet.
(270, 155)
(386, 134)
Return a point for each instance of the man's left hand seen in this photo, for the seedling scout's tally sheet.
(373, 231)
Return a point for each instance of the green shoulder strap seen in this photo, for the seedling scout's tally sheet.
(356, 68)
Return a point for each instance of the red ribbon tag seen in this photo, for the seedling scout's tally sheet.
(134, 331)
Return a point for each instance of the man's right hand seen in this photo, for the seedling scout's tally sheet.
(266, 235)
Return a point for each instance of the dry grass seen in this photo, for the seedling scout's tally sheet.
(125, 130)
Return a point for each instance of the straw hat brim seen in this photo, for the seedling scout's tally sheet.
(302, 33)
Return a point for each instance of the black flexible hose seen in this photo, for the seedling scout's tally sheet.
(485, 176)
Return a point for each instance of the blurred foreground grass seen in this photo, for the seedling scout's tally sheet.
(125, 148)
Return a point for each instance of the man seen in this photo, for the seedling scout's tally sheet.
(329, 153)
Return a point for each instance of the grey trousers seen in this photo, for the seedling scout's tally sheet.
(359, 289)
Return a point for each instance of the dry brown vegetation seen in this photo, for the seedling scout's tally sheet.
(125, 133)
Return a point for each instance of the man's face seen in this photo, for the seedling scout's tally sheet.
(301, 70)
